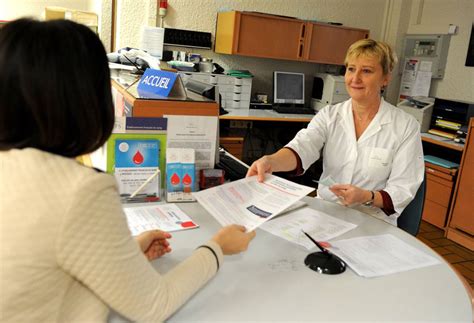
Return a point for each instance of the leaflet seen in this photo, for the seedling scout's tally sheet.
(373, 256)
(319, 225)
(166, 217)
(250, 203)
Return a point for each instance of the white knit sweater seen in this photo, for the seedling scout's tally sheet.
(66, 253)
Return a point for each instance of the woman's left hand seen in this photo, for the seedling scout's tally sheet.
(350, 194)
(154, 244)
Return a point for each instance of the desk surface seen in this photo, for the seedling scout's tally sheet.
(264, 115)
(271, 283)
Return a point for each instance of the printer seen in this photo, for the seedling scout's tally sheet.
(421, 108)
(328, 89)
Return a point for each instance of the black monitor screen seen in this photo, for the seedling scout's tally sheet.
(288, 87)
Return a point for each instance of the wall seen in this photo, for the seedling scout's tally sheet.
(200, 15)
(12, 9)
(434, 16)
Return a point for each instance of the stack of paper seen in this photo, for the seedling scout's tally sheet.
(374, 256)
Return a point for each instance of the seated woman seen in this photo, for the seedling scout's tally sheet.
(67, 253)
(370, 148)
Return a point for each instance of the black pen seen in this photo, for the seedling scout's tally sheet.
(316, 243)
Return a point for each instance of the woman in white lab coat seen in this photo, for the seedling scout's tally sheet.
(372, 152)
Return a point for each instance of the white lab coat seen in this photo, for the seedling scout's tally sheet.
(388, 156)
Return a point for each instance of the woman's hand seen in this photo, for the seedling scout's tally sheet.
(233, 239)
(260, 167)
(154, 244)
(350, 194)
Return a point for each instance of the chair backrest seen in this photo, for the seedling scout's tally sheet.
(410, 218)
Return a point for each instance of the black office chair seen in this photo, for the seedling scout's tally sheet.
(410, 218)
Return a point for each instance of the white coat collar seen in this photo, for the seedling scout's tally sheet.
(382, 117)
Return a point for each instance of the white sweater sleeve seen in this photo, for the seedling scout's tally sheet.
(96, 248)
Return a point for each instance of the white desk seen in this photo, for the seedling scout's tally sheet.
(264, 115)
(271, 283)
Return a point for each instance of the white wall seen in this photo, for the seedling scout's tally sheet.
(200, 15)
(13, 9)
(435, 17)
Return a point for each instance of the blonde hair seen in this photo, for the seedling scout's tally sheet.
(373, 48)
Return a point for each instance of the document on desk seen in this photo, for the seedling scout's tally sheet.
(319, 225)
(166, 217)
(250, 203)
(196, 132)
(373, 256)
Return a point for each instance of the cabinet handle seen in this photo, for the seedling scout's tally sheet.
(300, 52)
(303, 30)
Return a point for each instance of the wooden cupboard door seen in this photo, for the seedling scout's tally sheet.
(463, 211)
(269, 36)
(328, 44)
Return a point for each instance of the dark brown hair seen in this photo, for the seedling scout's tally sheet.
(55, 90)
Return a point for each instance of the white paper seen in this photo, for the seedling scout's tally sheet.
(152, 40)
(374, 256)
(165, 217)
(250, 203)
(425, 66)
(422, 84)
(196, 132)
(319, 225)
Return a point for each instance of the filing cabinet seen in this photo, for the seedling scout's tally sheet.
(439, 188)
(235, 91)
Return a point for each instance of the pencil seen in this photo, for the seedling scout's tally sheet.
(145, 183)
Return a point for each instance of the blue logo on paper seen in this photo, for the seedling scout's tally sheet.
(156, 83)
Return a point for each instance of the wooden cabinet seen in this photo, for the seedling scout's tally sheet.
(461, 223)
(269, 36)
(259, 35)
(234, 145)
(439, 188)
(328, 43)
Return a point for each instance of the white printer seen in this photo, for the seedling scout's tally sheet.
(421, 108)
(328, 89)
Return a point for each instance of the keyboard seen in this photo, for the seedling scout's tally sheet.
(293, 110)
(233, 169)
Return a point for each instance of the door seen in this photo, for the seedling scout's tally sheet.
(269, 36)
(328, 44)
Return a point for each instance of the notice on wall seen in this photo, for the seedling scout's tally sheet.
(416, 79)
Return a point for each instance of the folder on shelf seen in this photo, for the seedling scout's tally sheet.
(440, 162)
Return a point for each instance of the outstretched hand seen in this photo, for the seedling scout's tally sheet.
(260, 167)
(154, 244)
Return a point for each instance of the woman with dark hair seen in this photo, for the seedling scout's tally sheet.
(66, 249)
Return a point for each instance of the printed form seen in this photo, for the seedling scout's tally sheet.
(321, 226)
(250, 203)
(165, 217)
(373, 256)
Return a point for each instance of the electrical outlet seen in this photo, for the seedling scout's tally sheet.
(242, 124)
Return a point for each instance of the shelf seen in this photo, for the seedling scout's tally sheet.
(441, 141)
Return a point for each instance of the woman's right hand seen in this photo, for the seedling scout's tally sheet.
(260, 167)
(233, 239)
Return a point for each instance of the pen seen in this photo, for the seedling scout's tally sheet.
(145, 183)
(316, 243)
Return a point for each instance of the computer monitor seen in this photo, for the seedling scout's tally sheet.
(288, 88)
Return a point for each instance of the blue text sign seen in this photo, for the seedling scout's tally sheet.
(156, 83)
